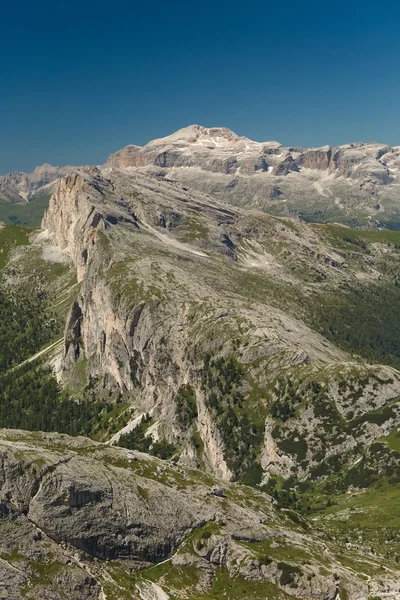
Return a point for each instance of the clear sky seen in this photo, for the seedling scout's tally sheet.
(79, 80)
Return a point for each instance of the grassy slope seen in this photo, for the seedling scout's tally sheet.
(29, 214)
(358, 237)
(362, 317)
(11, 237)
(367, 519)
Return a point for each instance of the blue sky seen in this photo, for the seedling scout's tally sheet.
(78, 80)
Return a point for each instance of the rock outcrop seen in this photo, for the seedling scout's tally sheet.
(81, 518)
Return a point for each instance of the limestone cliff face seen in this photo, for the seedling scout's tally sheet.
(127, 157)
(72, 219)
(318, 158)
(137, 347)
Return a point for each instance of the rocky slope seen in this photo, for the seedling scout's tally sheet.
(358, 181)
(21, 187)
(89, 521)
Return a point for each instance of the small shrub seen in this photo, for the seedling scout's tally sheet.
(288, 573)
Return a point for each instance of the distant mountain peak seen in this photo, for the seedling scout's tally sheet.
(20, 187)
(194, 133)
(339, 181)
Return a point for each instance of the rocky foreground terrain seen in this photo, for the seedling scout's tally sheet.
(82, 520)
(257, 354)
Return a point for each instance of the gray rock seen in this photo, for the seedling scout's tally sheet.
(75, 506)
(217, 491)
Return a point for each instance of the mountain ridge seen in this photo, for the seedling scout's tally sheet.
(141, 246)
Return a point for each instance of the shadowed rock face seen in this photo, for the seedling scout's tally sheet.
(88, 505)
(69, 501)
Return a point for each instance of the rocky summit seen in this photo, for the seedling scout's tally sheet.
(199, 399)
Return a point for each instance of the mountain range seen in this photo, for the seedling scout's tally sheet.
(199, 399)
(356, 183)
